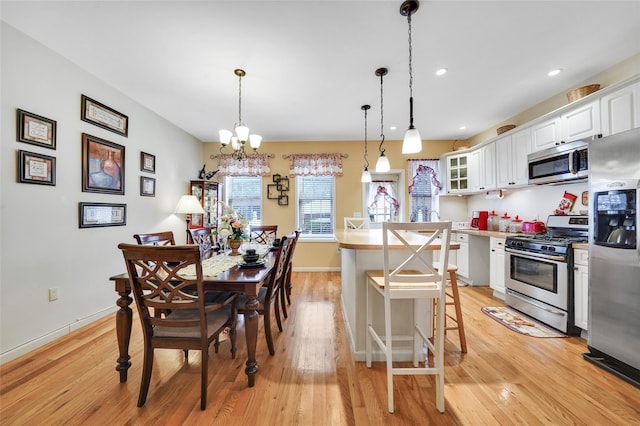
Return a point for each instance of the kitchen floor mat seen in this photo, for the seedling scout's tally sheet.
(519, 322)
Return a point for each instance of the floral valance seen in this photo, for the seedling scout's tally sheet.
(424, 167)
(315, 165)
(253, 165)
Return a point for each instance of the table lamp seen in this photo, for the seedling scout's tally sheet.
(188, 205)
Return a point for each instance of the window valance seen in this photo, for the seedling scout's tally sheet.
(315, 164)
(253, 165)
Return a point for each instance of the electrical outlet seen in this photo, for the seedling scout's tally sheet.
(53, 294)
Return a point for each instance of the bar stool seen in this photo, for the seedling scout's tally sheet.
(453, 298)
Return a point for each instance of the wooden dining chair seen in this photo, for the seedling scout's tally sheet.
(268, 296)
(160, 278)
(410, 277)
(263, 234)
(204, 238)
(351, 223)
(156, 239)
(285, 291)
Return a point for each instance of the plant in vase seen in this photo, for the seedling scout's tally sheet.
(232, 229)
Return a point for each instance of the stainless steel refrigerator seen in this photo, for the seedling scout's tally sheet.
(614, 254)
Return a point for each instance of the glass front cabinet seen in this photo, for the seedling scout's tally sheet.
(457, 171)
(207, 193)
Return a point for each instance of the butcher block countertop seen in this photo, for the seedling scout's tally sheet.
(495, 234)
(371, 239)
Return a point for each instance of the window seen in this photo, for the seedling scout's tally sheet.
(423, 188)
(244, 194)
(315, 201)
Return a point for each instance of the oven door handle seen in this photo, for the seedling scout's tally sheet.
(537, 305)
(536, 257)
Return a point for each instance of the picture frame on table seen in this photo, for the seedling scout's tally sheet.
(35, 129)
(283, 184)
(283, 200)
(102, 166)
(101, 115)
(94, 215)
(36, 168)
(147, 186)
(272, 191)
(147, 162)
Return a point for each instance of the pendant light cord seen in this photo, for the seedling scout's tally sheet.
(366, 165)
(380, 148)
(240, 100)
(410, 73)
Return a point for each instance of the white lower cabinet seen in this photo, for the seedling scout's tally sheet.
(497, 266)
(473, 259)
(581, 287)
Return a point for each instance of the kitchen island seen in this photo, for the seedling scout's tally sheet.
(361, 250)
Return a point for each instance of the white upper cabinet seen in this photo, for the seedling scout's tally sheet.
(581, 122)
(546, 134)
(511, 159)
(482, 168)
(620, 110)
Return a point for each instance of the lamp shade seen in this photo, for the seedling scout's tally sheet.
(254, 141)
(189, 204)
(225, 136)
(243, 133)
(412, 142)
(383, 165)
(366, 176)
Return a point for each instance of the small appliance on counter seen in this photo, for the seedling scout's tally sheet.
(479, 220)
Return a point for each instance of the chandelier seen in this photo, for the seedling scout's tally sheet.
(412, 142)
(242, 136)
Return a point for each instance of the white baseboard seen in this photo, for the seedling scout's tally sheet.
(38, 342)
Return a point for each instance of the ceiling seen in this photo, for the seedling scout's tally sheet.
(311, 64)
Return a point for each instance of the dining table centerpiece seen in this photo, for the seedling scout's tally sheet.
(232, 229)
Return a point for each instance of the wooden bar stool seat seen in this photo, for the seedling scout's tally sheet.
(452, 298)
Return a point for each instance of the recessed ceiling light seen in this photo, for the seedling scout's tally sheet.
(554, 72)
(462, 127)
(441, 71)
(393, 128)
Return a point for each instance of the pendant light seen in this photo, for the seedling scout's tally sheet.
(412, 142)
(382, 165)
(366, 175)
(242, 135)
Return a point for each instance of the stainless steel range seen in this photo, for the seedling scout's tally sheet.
(539, 271)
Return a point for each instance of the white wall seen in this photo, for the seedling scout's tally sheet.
(529, 203)
(41, 244)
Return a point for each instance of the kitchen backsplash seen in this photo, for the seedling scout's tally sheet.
(528, 203)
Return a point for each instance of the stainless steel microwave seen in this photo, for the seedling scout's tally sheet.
(564, 162)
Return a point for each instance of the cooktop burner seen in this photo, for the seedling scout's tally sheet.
(562, 232)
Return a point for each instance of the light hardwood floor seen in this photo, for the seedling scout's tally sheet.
(504, 379)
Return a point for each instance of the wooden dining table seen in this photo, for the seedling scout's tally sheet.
(235, 279)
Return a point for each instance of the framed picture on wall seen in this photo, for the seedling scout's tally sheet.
(101, 115)
(272, 192)
(92, 215)
(36, 130)
(147, 186)
(283, 184)
(147, 162)
(36, 168)
(102, 166)
(283, 200)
